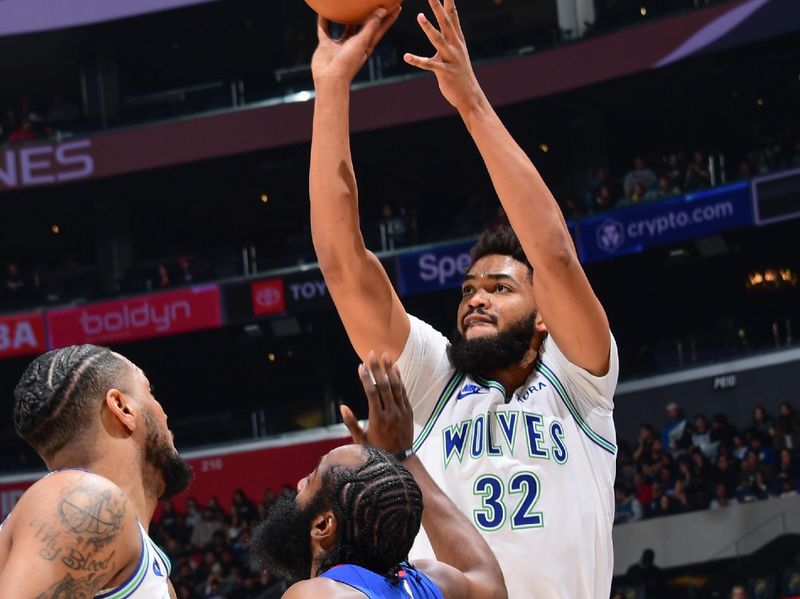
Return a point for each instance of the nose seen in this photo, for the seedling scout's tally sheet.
(480, 299)
(301, 484)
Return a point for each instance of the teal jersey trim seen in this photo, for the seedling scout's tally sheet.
(445, 396)
(582, 424)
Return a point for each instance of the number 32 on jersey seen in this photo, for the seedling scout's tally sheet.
(499, 500)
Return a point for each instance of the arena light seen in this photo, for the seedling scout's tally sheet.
(643, 11)
(55, 229)
(264, 198)
(772, 278)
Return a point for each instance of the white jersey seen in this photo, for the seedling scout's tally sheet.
(533, 471)
(151, 579)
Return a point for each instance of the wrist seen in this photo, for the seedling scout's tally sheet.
(331, 85)
(474, 105)
(404, 454)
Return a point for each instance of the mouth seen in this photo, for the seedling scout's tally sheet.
(476, 319)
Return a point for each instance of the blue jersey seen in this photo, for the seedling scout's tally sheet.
(410, 583)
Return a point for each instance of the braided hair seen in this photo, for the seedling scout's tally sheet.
(58, 396)
(378, 506)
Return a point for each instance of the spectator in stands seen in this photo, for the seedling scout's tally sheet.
(697, 175)
(766, 456)
(242, 506)
(642, 489)
(673, 432)
(739, 448)
(603, 201)
(667, 187)
(593, 189)
(185, 270)
(762, 422)
(205, 529)
(628, 508)
(646, 574)
(24, 132)
(787, 465)
(640, 175)
(721, 498)
(701, 438)
(162, 277)
(724, 473)
(674, 170)
(787, 432)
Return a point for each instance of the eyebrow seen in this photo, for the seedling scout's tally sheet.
(493, 276)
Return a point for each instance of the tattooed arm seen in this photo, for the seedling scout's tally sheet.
(73, 534)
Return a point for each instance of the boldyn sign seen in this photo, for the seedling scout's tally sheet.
(433, 269)
(45, 164)
(155, 315)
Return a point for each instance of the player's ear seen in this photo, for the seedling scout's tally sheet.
(121, 409)
(324, 528)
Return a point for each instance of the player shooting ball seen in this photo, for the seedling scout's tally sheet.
(513, 415)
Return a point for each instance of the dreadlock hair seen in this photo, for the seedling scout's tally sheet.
(378, 506)
(502, 241)
(56, 399)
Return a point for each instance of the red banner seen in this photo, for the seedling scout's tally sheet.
(21, 334)
(251, 468)
(156, 315)
(268, 297)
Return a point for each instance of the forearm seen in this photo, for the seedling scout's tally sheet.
(532, 210)
(454, 539)
(335, 225)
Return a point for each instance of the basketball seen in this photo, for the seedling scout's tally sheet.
(349, 12)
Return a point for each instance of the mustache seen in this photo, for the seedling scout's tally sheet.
(481, 312)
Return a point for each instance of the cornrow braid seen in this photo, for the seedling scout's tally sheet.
(54, 396)
(378, 506)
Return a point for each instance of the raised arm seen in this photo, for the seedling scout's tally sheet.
(73, 535)
(569, 307)
(367, 303)
(465, 566)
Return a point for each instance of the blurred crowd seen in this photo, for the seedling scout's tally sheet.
(26, 122)
(665, 175)
(208, 548)
(700, 464)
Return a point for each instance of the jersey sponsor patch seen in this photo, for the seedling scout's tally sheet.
(157, 568)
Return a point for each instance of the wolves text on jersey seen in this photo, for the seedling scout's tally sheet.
(494, 434)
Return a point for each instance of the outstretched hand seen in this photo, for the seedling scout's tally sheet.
(451, 63)
(339, 60)
(391, 423)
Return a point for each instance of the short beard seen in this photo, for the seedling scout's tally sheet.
(281, 544)
(486, 355)
(175, 473)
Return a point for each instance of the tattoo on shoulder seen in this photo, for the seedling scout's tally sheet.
(70, 588)
(89, 518)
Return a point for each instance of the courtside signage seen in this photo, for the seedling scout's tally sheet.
(22, 334)
(46, 164)
(433, 269)
(691, 216)
(143, 317)
(268, 297)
